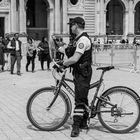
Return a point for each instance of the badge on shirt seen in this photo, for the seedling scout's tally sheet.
(81, 46)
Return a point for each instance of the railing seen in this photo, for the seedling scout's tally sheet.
(119, 55)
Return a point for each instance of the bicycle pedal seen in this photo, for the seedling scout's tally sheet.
(93, 116)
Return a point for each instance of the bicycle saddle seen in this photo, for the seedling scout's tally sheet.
(106, 68)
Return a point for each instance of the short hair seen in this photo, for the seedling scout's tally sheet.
(16, 34)
(79, 21)
(81, 26)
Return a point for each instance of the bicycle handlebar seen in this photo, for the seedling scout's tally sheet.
(59, 69)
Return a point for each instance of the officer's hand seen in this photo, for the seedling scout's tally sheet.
(63, 67)
(60, 62)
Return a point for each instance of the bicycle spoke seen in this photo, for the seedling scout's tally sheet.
(123, 117)
(44, 118)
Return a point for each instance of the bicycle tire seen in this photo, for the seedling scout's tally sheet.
(132, 100)
(48, 120)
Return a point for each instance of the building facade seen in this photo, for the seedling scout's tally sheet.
(39, 18)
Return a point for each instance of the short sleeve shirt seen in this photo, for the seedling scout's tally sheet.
(83, 44)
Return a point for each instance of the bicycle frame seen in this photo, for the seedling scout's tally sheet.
(96, 85)
(62, 83)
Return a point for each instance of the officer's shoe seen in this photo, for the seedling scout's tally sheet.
(75, 131)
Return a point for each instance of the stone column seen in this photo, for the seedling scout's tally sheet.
(104, 21)
(64, 5)
(131, 18)
(126, 22)
(57, 16)
(97, 17)
(22, 16)
(51, 22)
(102, 18)
(51, 26)
(13, 16)
(131, 13)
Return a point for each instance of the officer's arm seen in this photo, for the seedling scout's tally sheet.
(72, 59)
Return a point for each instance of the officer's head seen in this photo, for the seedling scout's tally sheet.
(80, 22)
(77, 24)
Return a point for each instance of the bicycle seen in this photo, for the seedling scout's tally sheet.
(117, 108)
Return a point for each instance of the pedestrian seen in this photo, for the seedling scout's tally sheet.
(6, 41)
(44, 53)
(135, 42)
(60, 47)
(31, 54)
(2, 61)
(81, 62)
(57, 52)
(15, 53)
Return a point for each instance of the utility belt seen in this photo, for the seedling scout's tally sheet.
(83, 69)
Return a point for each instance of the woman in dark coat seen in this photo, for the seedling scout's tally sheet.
(44, 53)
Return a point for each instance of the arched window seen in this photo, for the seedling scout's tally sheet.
(74, 2)
(37, 18)
(137, 19)
(114, 18)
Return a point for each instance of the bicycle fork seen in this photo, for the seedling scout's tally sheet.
(55, 97)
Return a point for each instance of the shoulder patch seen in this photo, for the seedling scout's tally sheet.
(81, 46)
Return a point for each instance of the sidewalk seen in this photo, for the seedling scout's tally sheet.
(16, 90)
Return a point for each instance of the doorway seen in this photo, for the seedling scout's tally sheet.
(114, 18)
(137, 19)
(2, 26)
(37, 18)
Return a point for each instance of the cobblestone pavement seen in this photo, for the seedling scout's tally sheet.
(16, 90)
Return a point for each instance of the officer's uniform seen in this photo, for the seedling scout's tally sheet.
(82, 73)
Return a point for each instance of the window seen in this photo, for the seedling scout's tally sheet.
(74, 2)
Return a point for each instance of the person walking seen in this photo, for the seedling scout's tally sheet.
(81, 61)
(6, 41)
(2, 60)
(44, 53)
(16, 53)
(31, 54)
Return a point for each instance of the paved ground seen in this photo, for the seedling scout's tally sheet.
(15, 91)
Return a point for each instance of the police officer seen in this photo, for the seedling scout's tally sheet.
(81, 61)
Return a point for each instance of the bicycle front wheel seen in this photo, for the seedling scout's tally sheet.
(125, 116)
(42, 117)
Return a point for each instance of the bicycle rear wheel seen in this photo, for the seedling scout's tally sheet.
(125, 116)
(42, 117)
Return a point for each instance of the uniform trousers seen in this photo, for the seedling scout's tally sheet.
(82, 84)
